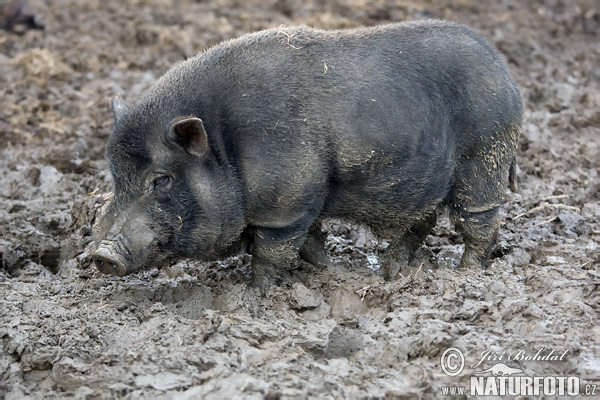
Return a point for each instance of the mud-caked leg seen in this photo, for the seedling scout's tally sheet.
(273, 255)
(479, 230)
(401, 251)
(313, 249)
(479, 191)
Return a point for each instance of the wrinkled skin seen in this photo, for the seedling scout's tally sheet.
(255, 141)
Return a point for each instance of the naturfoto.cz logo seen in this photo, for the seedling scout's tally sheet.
(502, 379)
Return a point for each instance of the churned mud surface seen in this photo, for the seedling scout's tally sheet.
(196, 329)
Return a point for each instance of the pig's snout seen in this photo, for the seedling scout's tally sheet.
(107, 259)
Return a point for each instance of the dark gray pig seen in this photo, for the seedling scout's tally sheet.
(260, 138)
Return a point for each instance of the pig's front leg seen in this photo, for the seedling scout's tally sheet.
(401, 251)
(313, 250)
(273, 254)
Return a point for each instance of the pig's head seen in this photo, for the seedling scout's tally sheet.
(174, 195)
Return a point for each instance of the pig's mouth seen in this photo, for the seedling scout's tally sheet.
(107, 259)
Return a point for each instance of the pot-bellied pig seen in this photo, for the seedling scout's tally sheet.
(256, 140)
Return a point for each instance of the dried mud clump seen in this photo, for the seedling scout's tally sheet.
(195, 329)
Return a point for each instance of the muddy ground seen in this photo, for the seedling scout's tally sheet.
(196, 329)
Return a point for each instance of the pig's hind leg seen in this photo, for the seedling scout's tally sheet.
(478, 192)
(479, 230)
(402, 250)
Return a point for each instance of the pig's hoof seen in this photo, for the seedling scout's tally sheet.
(313, 252)
(472, 259)
(396, 259)
(261, 283)
(392, 269)
(318, 259)
(264, 278)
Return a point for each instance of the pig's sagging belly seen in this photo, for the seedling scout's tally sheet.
(389, 188)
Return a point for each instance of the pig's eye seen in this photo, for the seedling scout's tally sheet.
(162, 183)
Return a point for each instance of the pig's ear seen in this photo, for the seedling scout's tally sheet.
(189, 132)
(120, 108)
